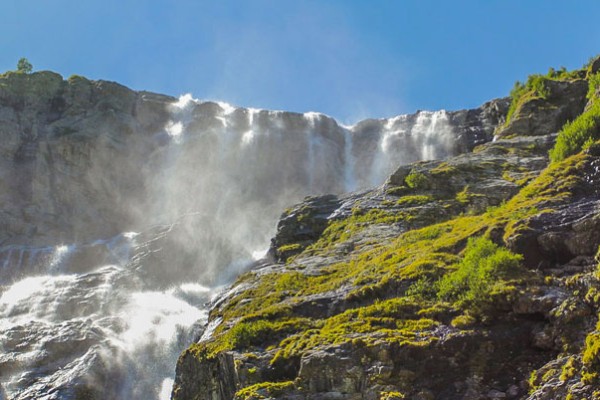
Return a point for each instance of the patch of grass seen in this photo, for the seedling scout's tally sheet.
(416, 180)
(414, 200)
(265, 390)
(247, 334)
(591, 358)
(534, 87)
(390, 321)
(578, 134)
(484, 266)
(568, 370)
(594, 86)
(289, 247)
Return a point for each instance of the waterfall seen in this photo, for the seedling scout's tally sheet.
(113, 314)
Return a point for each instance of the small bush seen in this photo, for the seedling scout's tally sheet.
(594, 85)
(535, 87)
(24, 66)
(264, 390)
(416, 180)
(412, 201)
(578, 134)
(483, 265)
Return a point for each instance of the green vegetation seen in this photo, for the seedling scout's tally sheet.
(393, 321)
(594, 86)
(414, 200)
(484, 266)
(264, 390)
(591, 358)
(568, 370)
(247, 334)
(416, 180)
(339, 231)
(536, 87)
(579, 134)
(391, 396)
(24, 66)
(398, 292)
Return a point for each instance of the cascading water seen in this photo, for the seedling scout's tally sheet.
(113, 315)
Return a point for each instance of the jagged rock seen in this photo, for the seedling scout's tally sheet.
(216, 381)
(566, 100)
(302, 225)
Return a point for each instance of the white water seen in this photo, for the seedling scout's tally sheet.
(115, 314)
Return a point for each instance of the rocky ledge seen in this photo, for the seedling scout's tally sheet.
(475, 277)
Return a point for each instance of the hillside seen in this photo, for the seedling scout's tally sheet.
(474, 277)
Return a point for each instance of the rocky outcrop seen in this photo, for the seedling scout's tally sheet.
(71, 155)
(564, 102)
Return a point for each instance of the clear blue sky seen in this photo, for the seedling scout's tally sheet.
(349, 59)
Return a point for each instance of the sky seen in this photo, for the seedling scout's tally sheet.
(348, 59)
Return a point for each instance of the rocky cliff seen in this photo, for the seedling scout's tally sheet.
(473, 277)
(121, 211)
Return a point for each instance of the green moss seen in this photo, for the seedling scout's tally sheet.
(485, 266)
(534, 87)
(443, 169)
(414, 200)
(594, 86)
(339, 231)
(265, 390)
(582, 132)
(247, 334)
(397, 190)
(578, 135)
(391, 396)
(533, 381)
(466, 197)
(289, 247)
(591, 358)
(416, 180)
(568, 370)
(392, 321)
(462, 321)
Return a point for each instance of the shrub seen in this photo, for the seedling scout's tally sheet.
(534, 87)
(578, 134)
(484, 264)
(23, 65)
(416, 180)
(594, 85)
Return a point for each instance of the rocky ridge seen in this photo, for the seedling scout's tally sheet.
(474, 277)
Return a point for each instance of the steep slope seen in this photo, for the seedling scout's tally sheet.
(469, 278)
(122, 211)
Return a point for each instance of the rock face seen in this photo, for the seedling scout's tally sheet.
(65, 149)
(564, 102)
(119, 209)
(472, 277)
